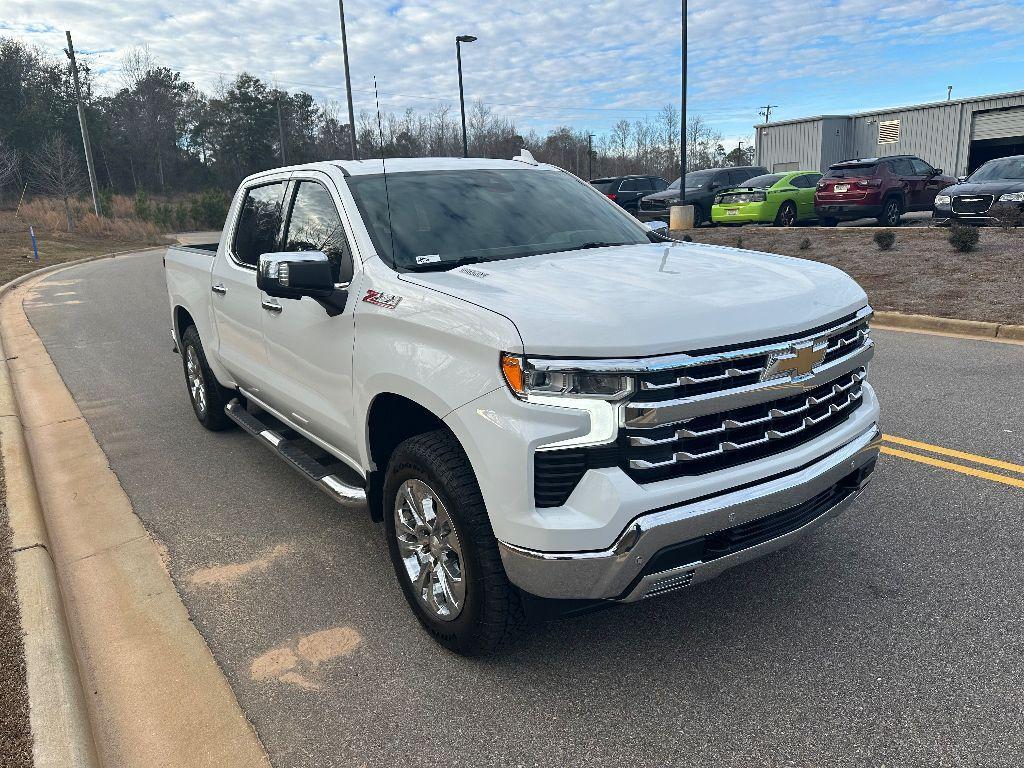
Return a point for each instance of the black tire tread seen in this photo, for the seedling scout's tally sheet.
(502, 614)
(217, 396)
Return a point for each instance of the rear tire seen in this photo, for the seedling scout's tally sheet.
(787, 215)
(207, 396)
(443, 549)
(891, 212)
(698, 216)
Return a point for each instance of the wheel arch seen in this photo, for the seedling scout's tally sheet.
(182, 320)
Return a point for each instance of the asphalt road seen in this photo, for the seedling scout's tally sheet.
(892, 636)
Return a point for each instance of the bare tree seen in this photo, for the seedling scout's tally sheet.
(57, 171)
(8, 163)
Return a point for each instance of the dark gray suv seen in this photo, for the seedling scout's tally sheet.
(627, 190)
(701, 188)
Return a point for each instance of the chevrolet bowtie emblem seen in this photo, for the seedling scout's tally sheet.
(798, 361)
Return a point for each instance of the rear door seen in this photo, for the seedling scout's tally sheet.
(234, 296)
(310, 352)
(932, 183)
(912, 184)
(631, 190)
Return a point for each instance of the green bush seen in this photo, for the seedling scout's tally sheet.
(143, 208)
(964, 239)
(805, 244)
(885, 239)
(687, 239)
(739, 242)
(209, 209)
(106, 201)
(181, 217)
(163, 216)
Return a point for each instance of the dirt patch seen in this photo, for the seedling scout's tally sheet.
(231, 573)
(15, 732)
(922, 274)
(296, 663)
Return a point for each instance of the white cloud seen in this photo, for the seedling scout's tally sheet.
(543, 63)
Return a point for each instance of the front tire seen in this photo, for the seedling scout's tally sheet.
(442, 547)
(787, 216)
(208, 397)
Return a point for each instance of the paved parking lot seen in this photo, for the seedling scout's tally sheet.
(891, 636)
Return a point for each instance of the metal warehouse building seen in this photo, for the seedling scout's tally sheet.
(957, 136)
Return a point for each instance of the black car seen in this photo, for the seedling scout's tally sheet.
(627, 190)
(701, 188)
(994, 193)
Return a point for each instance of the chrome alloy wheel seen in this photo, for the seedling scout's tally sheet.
(194, 372)
(430, 549)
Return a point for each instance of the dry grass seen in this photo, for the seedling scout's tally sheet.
(922, 274)
(92, 236)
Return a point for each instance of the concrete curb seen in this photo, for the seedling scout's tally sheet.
(117, 672)
(974, 329)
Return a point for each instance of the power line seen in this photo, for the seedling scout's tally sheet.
(766, 111)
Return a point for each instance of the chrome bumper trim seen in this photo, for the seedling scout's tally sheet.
(607, 574)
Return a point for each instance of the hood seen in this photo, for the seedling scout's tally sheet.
(639, 300)
(996, 187)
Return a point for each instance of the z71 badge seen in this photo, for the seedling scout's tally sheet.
(386, 300)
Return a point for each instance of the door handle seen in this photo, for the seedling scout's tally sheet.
(218, 288)
(271, 306)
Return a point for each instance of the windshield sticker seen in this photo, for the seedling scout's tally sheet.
(431, 258)
(470, 272)
(386, 300)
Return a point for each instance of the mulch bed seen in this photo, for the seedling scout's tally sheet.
(922, 274)
(15, 735)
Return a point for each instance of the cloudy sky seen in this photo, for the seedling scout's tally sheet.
(548, 63)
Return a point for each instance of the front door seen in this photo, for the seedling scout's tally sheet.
(311, 352)
(234, 296)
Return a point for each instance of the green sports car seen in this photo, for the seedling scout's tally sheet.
(781, 199)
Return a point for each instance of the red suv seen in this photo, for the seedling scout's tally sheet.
(877, 187)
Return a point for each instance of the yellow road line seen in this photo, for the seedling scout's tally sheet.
(1015, 481)
(956, 454)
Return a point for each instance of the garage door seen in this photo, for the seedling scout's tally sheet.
(998, 124)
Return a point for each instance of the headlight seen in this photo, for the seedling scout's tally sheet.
(1012, 197)
(942, 199)
(525, 378)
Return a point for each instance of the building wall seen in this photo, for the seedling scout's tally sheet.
(939, 133)
(791, 143)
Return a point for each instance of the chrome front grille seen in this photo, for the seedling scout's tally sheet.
(971, 203)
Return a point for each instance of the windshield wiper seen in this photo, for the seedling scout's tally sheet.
(444, 266)
(595, 244)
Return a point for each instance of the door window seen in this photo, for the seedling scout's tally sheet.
(901, 167)
(314, 225)
(259, 223)
(635, 185)
(736, 176)
(921, 168)
(660, 185)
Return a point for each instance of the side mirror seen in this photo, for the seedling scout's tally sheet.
(294, 274)
(961, 179)
(937, 171)
(657, 226)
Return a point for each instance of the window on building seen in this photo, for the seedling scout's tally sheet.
(888, 131)
(785, 167)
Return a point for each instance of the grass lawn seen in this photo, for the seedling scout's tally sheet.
(922, 274)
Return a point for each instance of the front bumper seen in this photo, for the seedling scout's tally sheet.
(1012, 213)
(632, 568)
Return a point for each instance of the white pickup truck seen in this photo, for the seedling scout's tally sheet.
(550, 405)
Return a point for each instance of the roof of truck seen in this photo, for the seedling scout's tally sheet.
(408, 164)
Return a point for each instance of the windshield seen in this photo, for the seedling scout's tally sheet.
(695, 179)
(762, 182)
(439, 219)
(1010, 168)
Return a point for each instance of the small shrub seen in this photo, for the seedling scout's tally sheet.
(106, 201)
(687, 239)
(805, 244)
(885, 239)
(739, 242)
(964, 239)
(143, 209)
(209, 209)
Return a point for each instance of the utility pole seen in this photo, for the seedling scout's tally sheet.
(348, 82)
(590, 156)
(459, 40)
(949, 92)
(70, 51)
(766, 113)
(280, 132)
(682, 117)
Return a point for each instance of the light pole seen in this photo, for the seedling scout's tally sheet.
(459, 40)
(682, 117)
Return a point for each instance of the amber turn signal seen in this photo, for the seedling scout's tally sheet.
(512, 370)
